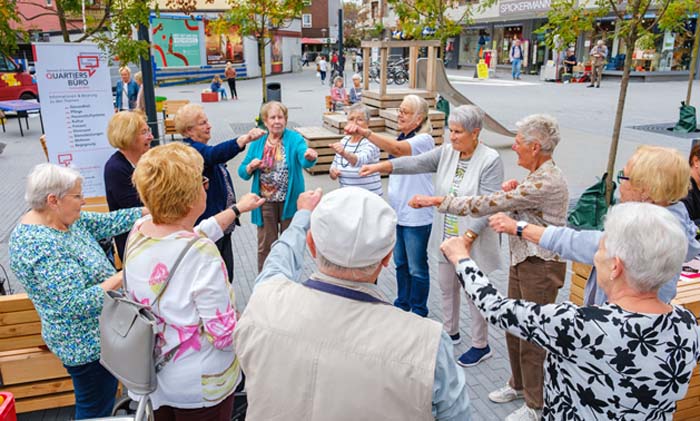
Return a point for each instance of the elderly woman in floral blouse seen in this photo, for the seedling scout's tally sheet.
(55, 254)
(536, 274)
(630, 358)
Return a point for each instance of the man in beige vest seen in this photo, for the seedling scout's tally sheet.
(331, 347)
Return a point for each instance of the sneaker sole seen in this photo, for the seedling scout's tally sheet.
(485, 357)
(506, 400)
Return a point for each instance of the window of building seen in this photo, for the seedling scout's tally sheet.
(307, 3)
(306, 20)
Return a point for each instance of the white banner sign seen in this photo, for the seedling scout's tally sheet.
(76, 105)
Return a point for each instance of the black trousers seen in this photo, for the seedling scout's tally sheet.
(226, 249)
(232, 86)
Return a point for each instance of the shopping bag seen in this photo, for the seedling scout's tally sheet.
(687, 123)
(318, 74)
(591, 207)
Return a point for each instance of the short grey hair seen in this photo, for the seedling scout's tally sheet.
(650, 242)
(358, 107)
(46, 179)
(352, 273)
(541, 128)
(468, 117)
(419, 106)
(356, 76)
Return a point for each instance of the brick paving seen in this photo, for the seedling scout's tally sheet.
(582, 155)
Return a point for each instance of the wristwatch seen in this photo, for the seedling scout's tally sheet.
(470, 235)
(520, 227)
(235, 210)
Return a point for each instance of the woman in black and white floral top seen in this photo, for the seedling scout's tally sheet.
(628, 359)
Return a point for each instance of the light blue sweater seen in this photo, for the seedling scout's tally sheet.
(580, 246)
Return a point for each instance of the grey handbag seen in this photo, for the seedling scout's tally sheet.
(128, 337)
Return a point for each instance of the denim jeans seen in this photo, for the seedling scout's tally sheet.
(517, 62)
(412, 273)
(95, 389)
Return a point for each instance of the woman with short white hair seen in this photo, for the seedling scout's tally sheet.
(629, 358)
(464, 167)
(54, 253)
(536, 274)
(413, 228)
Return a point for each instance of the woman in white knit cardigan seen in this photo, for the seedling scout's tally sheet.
(463, 167)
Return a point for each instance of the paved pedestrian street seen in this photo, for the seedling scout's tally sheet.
(585, 116)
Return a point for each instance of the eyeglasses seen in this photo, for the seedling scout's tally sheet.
(146, 132)
(621, 177)
(205, 182)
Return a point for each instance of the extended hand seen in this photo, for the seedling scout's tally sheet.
(338, 148)
(310, 154)
(368, 169)
(254, 165)
(249, 201)
(455, 249)
(334, 173)
(509, 185)
(352, 128)
(421, 201)
(501, 222)
(309, 199)
(254, 134)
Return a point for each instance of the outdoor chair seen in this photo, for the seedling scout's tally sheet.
(170, 108)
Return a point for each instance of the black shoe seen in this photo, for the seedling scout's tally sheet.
(456, 339)
(589, 86)
(598, 86)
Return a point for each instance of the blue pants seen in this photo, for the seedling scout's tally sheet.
(517, 63)
(95, 389)
(412, 273)
(222, 91)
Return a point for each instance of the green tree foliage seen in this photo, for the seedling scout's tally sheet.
(9, 18)
(352, 35)
(260, 19)
(414, 16)
(567, 19)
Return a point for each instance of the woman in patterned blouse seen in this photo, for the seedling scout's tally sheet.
(196, 312)
(55, 254)
(535, 274)
(628, 359)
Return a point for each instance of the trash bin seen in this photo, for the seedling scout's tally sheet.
(274, 91)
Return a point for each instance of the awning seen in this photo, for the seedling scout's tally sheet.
(317, 41)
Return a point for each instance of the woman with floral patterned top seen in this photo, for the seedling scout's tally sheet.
(536, 274)
(195, 312)
(628, 359)
(55, 254)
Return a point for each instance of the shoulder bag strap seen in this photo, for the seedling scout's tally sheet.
(342, 291)
(175, 265)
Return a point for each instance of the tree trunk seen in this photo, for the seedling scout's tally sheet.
(612, 155)
(693, 60)
(62, 21)
(261, 60)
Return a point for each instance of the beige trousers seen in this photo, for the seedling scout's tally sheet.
(451, 291)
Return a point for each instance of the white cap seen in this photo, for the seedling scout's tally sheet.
(353, 227)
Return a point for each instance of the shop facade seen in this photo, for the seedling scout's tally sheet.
(494, 30)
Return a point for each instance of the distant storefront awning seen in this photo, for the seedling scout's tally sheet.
(317, 41)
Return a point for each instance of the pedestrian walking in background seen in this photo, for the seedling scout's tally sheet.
(322, 69)
(599, 54)
(516, 58)
(230, 75)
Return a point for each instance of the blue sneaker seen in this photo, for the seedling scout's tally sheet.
(474, 356)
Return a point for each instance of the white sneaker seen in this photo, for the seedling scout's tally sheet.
(525, 413)
(505, 394)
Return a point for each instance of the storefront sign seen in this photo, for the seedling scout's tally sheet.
(76, 105)
(175, 42)
(222, 47)
(521, 7)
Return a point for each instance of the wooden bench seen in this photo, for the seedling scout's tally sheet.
(688, 296)
(32, 373)
(170, 108)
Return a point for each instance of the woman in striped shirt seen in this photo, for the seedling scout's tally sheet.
(354, 151)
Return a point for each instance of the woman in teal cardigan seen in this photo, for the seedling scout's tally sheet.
(275, 162)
